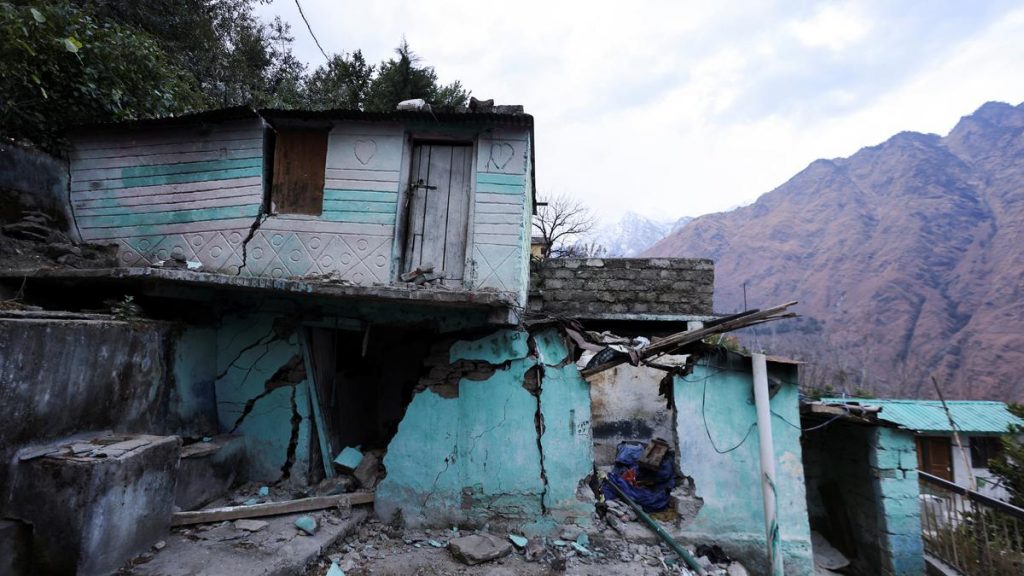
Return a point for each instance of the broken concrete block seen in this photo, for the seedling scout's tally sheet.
(519, 541)
(366, 472)
(479, 548)
(250, 525)
(307, 524)
(90, 515)
(335, 570)
(349, 459)
(208, 470)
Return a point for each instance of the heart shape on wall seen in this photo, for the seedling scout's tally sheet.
(365, 151)
(501, 153)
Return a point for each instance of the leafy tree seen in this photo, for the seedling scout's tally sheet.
(1009, 466)
(402, 79)
(342, 82)
(61, 65)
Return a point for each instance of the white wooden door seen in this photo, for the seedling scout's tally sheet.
(439, 189)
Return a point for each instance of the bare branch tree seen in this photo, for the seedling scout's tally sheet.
(561, 221)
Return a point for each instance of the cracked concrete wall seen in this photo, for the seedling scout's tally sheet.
(262, 395)
(60, 377)
(502, 450)
(716, 401)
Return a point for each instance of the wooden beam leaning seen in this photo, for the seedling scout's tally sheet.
(269, 508)
(674, 341)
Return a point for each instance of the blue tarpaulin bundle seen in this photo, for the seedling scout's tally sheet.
(649, 489)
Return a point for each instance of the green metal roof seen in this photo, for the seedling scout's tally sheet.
(971, 416)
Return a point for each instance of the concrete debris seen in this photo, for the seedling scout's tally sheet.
(348, 459)
(250, 525)
(160, 545)
(335, 570)
(520, 542)
(825, 555)
(368, 470)
(736, 569)
(478, 548)
(307, 524)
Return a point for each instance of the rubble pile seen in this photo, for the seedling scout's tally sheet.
(35, 241)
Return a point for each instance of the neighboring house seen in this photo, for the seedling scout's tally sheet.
(979, 424)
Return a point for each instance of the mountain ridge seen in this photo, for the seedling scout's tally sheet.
(905, 257)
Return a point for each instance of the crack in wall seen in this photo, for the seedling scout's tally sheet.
(533, 382)
(293, 441)
(261, 216)
(291, 373)
(433, 487)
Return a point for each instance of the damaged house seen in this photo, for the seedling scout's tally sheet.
(281, 290)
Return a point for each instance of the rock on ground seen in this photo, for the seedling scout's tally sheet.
(479, 548)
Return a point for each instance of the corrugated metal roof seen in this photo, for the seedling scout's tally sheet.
(971, 416)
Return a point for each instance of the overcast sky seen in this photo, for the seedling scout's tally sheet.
(684, 108)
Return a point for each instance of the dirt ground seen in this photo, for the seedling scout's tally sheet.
(380, 550)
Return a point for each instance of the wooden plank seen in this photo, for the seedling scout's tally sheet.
(365, 152)
(414, 236)
(176, 217)
(221, 153)
(150, 207)
(121, 201)
(484, 208)
(293, 223)
(499, 229)
(202, 186)
(239, 225)
(500, 156)
(299, 164)
(458, 213)
(138, 171)
(141, 182)
(498, 239)
(360, 217)
(359, 206)
(483, 219)
(435, 218)
(131, 138)
(270, 509)
(170, 147)
(334, 195)
(500, 179)
(370, 175)
(368, 185)
(312, 388)
(487, 198)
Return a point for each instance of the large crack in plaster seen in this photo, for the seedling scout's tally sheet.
(261, 216)
(293, 441)
(533, 382)
(291, 373)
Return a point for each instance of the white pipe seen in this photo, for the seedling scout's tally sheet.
(764, 433)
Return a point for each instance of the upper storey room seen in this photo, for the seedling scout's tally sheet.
(353, 196)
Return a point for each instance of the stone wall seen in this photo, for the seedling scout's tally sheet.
(34, 180)
(623, 288)
(862, 495)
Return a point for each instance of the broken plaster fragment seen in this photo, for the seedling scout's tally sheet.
(306, 524)
(477, 548)
(519, 541)
(349, 459)
(250, 525)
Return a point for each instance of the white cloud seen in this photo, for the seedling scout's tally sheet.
(833, 26)
(683, 108)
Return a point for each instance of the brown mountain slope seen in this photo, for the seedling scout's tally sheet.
(907, 259)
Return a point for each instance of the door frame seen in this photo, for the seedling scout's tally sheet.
(402, 217)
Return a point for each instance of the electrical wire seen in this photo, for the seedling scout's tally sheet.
(812, 428)
(703, 416)
(310, 28)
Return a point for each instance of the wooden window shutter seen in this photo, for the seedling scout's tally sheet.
(300, 157)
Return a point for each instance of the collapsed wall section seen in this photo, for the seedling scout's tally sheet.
(481, 453)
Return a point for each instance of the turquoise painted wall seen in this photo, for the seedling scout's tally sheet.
(193, 403)
(719, 395)
(476, 458)
(894, 463)
(249, 352)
